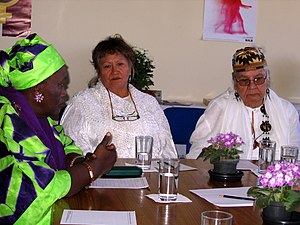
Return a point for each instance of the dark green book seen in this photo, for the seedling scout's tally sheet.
(124, 172)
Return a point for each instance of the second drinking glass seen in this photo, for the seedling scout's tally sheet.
(168, 179)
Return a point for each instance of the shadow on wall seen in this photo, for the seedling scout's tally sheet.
(285, 79)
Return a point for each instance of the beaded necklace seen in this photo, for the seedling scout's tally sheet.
(265, 127)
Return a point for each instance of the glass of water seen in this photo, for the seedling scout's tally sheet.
(289, 153)
(266, 155)
(143, 151)
(168, 179)
(216, 217)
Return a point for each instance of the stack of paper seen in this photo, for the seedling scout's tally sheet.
(180, 198)
(214, 196)
(247, 165)
(98, 217)
(150, 170)
(127, 183)
(154, 167)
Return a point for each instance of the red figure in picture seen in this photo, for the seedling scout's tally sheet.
(231, 21)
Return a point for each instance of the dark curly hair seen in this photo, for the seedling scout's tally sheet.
(111, 45)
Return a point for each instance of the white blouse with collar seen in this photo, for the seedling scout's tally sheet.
(88, 117)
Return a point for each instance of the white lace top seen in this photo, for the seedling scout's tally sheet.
(88, 117)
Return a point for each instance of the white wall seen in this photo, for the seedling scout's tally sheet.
(187, 68)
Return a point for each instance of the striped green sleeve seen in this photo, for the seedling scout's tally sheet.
(40, 210)
(68, 143)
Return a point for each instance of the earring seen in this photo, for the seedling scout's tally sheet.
(237, 96)
(268, 93)
(17, 107)
(129, 78)
(39, 97)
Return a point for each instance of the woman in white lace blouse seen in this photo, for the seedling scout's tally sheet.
(112, 104)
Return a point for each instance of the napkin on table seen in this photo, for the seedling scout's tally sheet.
(180, 198)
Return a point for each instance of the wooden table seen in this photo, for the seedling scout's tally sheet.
(150, 213)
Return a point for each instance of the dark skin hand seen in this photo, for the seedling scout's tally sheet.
(101, 162)
(71, 156)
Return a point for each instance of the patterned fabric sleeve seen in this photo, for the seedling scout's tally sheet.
(28, 186)
(68, 143)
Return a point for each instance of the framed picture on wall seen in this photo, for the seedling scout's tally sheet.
(230, 20)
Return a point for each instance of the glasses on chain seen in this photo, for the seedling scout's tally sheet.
(120, 118)
(257, 81)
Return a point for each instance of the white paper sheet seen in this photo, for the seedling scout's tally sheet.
(127, 183)
(180, 198)
(98, 217)
(213, 196)
(184, 167)
(154, 167)
(151, 169)
(247, 165)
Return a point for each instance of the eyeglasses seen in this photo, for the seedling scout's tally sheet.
(256, 80)
(129, 117)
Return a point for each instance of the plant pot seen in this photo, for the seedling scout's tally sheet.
(277, 212)
(155, 93)
(226, 166)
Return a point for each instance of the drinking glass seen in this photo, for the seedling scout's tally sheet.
(266, 154)
(216, 217)
(289, 153)
(168, 179)
(143, 151)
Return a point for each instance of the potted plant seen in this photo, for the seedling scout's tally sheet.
(223, 152)
(143, 70)
(279, 192)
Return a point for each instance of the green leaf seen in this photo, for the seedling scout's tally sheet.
(257, 192)
(262, 202)
(143, 70)
(265, 195)
(291, 199)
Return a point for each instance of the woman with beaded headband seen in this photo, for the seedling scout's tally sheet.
(251, 109)
(112, 104)
(39, 164)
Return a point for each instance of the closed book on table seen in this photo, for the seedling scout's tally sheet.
(124, 172)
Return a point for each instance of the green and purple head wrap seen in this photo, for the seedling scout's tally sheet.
(29, 62)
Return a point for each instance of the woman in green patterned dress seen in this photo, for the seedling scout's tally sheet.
(39, 164)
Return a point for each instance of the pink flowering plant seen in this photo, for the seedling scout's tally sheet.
(223, 146)
(280, 183)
